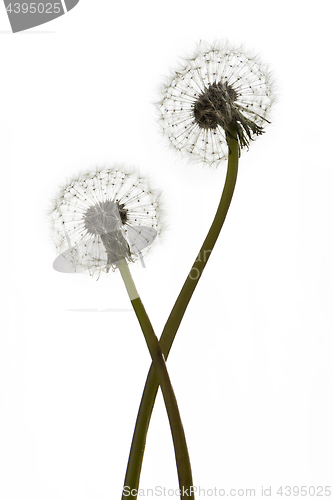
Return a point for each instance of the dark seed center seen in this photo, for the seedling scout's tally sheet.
(122, 212)
(212, 106)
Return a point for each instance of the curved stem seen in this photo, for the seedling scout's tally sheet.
(171, 327)
(161, 373)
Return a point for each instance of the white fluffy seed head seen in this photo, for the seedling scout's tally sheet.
(218, 87)
(105, 215)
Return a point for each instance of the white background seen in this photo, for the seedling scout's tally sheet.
(252, 363)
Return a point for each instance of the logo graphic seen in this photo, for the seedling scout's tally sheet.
(69, 260)
(24, 15)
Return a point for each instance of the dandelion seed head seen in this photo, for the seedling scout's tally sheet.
(218, 88)
(104, 215)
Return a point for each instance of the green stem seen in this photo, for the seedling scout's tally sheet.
(171, 327)
(161, 373)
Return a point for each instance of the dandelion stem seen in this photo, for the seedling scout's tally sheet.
(177, 313)
(161, 373)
